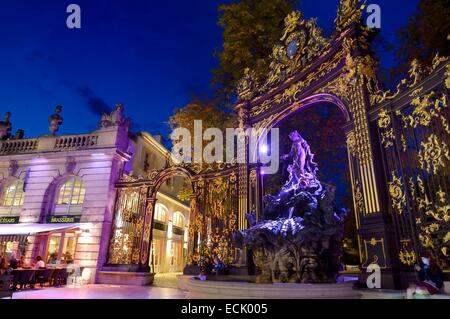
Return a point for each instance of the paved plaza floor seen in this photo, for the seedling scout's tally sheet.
(101, 292)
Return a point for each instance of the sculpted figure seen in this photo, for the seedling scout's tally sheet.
(5, 127)
(55, 120)
(303, 167)
(299, 238)
(115, 118)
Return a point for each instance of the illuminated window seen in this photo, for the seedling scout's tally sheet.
(160, 213)
(178, 220)
(72, 192)
(61, 248)
(13, 194)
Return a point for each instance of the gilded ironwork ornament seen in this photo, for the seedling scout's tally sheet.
(349, 11)
(397, 193)
(300, 43)
(433, 154)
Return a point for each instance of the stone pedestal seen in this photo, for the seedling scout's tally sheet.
(212, 289)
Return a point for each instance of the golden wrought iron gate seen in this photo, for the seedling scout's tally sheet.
(414, 135)
(398, 147)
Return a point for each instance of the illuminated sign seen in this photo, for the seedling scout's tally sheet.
(9, 220)
(64, 219)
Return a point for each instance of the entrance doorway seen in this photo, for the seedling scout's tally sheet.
(170, 226)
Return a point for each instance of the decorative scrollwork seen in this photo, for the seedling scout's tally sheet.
(349, 12)
(415, 74)
(300, 43)
(384, 120)
(397, 194)
(406, 255)
(433, 154)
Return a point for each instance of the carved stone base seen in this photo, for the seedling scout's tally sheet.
(212, 289)
(125, 278)
(192, 270)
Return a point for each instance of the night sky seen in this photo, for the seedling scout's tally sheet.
(151, 55)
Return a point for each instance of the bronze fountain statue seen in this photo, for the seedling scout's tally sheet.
(300, 237)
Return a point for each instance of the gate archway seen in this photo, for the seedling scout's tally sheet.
(306, 69)
(389, 198)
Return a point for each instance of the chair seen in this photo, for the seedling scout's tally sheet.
(46, 277)
(61, 278)
(17, 274)
(54, 277)
(38, 276)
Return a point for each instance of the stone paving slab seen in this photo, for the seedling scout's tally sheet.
(101, 292)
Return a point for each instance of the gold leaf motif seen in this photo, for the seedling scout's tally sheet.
(388, 138)
(384, 120)
(407, 257)
(447, 77)
(404, 144)
(433, 154)
(349, 11)
(397, 194)
(351, 143)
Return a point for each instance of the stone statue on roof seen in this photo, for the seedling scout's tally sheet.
(55, 120)
(5, 127)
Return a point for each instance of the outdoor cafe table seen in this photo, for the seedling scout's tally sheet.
(19, 279)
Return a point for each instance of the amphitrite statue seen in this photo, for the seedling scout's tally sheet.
(5, 127)
(55, 120)
(300, 236)
(302, 171)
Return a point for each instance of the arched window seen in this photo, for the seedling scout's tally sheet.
(70, 196)
(178, 220)
(160, 213)
(13, 194)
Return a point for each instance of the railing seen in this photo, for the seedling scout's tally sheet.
(76, 141)
(53, 143)
(18, 146)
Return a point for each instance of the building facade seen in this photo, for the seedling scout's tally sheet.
(171, 217)
(58, 194)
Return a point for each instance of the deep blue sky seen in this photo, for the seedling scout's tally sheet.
(151, 55)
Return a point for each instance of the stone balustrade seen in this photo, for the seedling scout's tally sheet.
(76, 141)
(18, 146)
(97, 139)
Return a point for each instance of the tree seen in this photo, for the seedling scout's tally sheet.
(250, 30)
(426, 33)
(211, 116)
(206, 111)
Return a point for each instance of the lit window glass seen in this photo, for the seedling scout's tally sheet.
(178, 220)
(160, 213)
(72, 192)
(13, 194)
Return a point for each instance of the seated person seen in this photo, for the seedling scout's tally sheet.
(3, 265)
(13, 262)
(430, 275)
(22, 264)
(39, 263)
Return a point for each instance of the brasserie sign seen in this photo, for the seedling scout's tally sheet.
(63, 219)
(9, 220)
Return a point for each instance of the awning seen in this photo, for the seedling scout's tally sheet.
(30, 229)
(12, 238)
